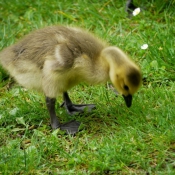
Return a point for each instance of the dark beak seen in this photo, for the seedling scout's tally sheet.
(128, 100)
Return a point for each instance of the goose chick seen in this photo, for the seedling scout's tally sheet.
(54, 59)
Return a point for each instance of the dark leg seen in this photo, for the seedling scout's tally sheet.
(50, 102)
(70, 127)
(73, 108)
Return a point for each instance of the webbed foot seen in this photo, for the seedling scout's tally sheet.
(74, 108)
(70, 127)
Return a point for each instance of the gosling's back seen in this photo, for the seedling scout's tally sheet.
(40, 44)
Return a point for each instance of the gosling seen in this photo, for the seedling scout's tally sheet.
(54, 59)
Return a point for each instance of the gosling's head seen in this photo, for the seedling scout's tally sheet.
(127, 81)
(124, 74)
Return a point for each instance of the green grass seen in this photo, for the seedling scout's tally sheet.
(114, 139)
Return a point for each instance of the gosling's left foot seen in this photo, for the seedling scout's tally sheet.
(70, 127)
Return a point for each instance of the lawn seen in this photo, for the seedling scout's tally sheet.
(113, 139)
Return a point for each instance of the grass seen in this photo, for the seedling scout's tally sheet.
(114, 139)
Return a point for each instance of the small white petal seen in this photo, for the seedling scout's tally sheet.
(144, 47)
(136, 11)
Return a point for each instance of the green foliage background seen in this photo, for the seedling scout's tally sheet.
(114, 139)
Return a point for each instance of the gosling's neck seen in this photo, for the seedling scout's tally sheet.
(115, 59)
(107, 63)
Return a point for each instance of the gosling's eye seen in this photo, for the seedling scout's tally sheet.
(126, 87)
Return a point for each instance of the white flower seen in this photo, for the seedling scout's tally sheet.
(136, 11)
(144, 46)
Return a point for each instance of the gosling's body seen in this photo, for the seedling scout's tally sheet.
(54, 59)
